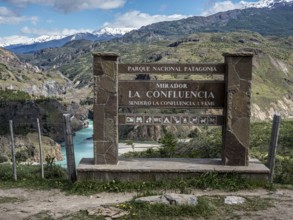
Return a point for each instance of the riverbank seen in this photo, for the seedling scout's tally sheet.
(83, 146)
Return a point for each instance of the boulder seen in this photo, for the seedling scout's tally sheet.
(234, 200)
(171, 199)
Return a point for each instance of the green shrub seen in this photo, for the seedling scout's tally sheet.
(205, 143)
(21, 156)
(5, 172)
(14, 95)
(259, 147)
(284, 170)
(54, 172)
(169, 142)
(3, 158)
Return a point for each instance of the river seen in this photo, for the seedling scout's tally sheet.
(83, 145)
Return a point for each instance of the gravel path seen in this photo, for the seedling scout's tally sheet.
(57, 204)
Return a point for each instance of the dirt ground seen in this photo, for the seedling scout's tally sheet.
(27, 203)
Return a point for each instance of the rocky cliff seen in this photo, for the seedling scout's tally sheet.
(50, 113)
(27, 148)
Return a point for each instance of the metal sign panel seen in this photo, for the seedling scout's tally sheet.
(188, 120)
(171, 94)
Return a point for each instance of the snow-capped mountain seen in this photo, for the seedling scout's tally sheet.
(266, 3)
(113, 31)
(22, 44)
(20, 40)
(26, 45)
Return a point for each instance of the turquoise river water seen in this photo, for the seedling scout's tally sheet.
(83, 145)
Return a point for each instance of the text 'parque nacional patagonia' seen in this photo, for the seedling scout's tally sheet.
(172, 68)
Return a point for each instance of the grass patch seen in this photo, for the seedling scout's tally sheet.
(139, 210)
(9, 199)
(209, 207)
(209, 180)
(14, 95)
(29, 177)
(44, 215)
(259, 146)
(83, 214)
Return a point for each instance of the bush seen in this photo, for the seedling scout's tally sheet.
(14, 95)
(260, 141)
(169, 142)
(205, 143)
(55, 172)
(3, 158)
(21, 156)
(284, 170)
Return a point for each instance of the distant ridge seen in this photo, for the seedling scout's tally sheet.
(267, 3)
(43, 42)
(267, 17)
(275, 19)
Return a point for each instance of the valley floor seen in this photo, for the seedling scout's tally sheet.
(34, 204)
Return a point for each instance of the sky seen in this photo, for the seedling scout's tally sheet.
(33, 18)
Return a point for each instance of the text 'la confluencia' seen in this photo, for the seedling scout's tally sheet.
(175, 94)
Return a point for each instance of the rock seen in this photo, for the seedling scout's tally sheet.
(171, 199)
(155, 57)
(153, 199)
(177, 43)
(145, 132)
(108, 212)
(234, 200)
(181, 199)
(49, 111)
(279, 193)
(241, 41)
(29, 144)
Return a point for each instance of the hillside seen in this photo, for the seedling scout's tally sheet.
(272, 71)
(23, 76)
(27, 93)
(267, 17)
(265, 31)
(266, 21)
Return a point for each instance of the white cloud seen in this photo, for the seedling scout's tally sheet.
(40, 34)
(67, 6)
(15, 39)
(137, 19)
(8, 16)
(6, 12)
(53, 32)
(223, 6)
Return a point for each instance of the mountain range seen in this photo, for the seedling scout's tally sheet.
(45, 41)
(262, 31)
(275, 19)
(267, 17)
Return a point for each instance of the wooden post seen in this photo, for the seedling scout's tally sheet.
(13, 150)
(273, 145)
(41, 149)
(71, 168)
